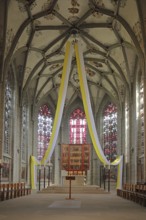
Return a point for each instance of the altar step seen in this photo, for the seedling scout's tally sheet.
(74, 189)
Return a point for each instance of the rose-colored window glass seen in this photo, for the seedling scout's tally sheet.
(78, 127)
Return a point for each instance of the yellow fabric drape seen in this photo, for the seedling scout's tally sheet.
(60, 103)
(33, 164)
(59, 111)
(87, 104)
(88, 112)
(89, 115)
(119, 162)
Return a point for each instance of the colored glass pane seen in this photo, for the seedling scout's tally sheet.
(78, 127)
(45, 121)
(24, 132)
(8, 115)
(110, 131)
(142, 117)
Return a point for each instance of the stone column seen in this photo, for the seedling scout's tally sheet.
(131, 149)
(95, 169)
(57, 170)
(127, 139)
(31, 137)
(16, 138)
(57, 164)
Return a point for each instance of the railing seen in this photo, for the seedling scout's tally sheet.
(13, 190)
(133, 192)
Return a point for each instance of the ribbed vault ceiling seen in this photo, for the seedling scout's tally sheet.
(110, 36)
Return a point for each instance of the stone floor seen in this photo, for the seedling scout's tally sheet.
(80, 207)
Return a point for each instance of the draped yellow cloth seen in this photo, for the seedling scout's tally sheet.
(88, 112)
(89, 115)
(58, 114)
(33, 163)
(87, 104)
(60, 103)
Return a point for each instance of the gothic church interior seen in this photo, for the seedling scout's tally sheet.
(33, 38)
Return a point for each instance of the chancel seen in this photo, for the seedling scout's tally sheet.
(72, 98)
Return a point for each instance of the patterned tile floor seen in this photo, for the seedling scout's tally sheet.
(64, 204)
(81, 207)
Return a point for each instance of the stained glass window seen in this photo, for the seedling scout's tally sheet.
(142, 117)
(110, 131)
(24, 132)
(8, 115)
(78, 127)
(140, 150)
(45, 121)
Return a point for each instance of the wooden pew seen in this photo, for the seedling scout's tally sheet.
(13, 190)
(135, 193)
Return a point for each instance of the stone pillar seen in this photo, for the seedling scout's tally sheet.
(95, 169)
(57, 164)
(16, 138)
(131, 149)
(31, 137)
(127, 141)
(57, 170)
(89, 172)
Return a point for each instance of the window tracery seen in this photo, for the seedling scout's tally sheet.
(24, 132)
(78, 127)
(8, 115)
(45, 121)
(142, 117)
(110, 131)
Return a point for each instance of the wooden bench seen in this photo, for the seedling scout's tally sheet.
(135, 193)
(13, 190)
